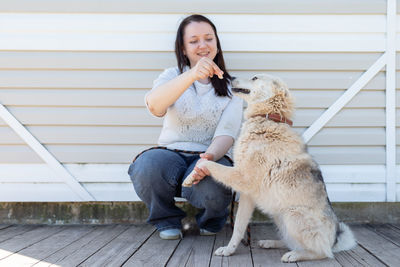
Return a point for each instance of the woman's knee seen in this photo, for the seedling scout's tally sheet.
(154, 165)
(212, 195)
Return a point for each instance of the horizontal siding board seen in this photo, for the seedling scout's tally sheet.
(135, 98)
(117, 173)
(161, 60)
(149, 135)
(322, 42)
(361, 117)
(144, 79)
(125, 153)
(36, 192)
(112, 191)
(18, 154)
(349, 155)
(127, 24)
(356, 192)
(207, 6)
(350, 136)
(344, 118)
(85, 135)
(76, 97)
(84, 116)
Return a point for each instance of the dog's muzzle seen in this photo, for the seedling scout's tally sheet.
(241, 90)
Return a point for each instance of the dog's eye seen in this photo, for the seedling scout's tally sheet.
(254, 78)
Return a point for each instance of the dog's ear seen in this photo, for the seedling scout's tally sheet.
(280, 86)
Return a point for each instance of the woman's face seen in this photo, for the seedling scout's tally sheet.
(199, 41)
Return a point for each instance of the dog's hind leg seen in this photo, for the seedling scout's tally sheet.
(243, 215)
(309, 236)
(271, 244)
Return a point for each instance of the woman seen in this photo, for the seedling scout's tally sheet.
(200, 115)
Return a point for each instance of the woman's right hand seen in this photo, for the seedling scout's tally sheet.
(204, 68)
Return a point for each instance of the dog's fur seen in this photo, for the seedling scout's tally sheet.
(274, 172)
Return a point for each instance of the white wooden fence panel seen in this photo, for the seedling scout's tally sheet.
(36, 192)
(361, 117)
(124, 192)
(80, 153)
(117, 173)
(135, 98)
(134, 60)
(120, 135)
(207, 6)
(139, 23)
(75, 76)
(110, 79)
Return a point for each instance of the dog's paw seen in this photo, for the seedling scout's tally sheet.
(266, 243)
(291, 256)
(271, 244)
(224, 251)
(188, 182)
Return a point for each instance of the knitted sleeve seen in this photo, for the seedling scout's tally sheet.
(231, 119)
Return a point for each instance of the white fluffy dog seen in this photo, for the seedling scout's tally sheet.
(274, 171)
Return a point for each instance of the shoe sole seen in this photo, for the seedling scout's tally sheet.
(170, 237)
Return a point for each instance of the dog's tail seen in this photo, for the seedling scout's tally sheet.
(344, 238)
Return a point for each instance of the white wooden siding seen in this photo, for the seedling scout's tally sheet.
(75, 75)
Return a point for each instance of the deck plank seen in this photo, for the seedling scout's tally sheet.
(15, 230)
(357, 257)
(121, 248)
(42, 249)
(387, 231)
(383, 249)
(241, 257)
(154, 252)
(193, 250)
(262, 256)
(3, 226)
(22, 241)
(129, 245)
(83, 248)
(220, 240)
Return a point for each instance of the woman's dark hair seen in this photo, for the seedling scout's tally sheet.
(220, 85)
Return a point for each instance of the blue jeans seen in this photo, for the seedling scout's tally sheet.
(157, 176)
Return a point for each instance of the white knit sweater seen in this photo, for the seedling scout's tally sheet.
(198, 116)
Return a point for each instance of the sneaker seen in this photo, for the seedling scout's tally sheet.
(206, 232)
(171, 234)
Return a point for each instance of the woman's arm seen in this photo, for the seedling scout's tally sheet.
(164, 95)
(218, 148)
(228, 126)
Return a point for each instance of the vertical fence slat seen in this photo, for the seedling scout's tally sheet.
(391, 102)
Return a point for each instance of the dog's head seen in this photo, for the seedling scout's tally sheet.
(264, 94)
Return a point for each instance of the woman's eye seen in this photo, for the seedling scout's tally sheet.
(193, 42)
(209, 40)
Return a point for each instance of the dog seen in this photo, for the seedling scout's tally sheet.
(274, 172)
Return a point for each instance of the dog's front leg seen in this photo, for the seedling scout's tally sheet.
(226, 175)
(243, 215)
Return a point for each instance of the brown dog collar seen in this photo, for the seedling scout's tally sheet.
(275, 117)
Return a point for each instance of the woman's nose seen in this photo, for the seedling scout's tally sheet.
(202, 43)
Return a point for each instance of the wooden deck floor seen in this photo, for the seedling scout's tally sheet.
(129, 245)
